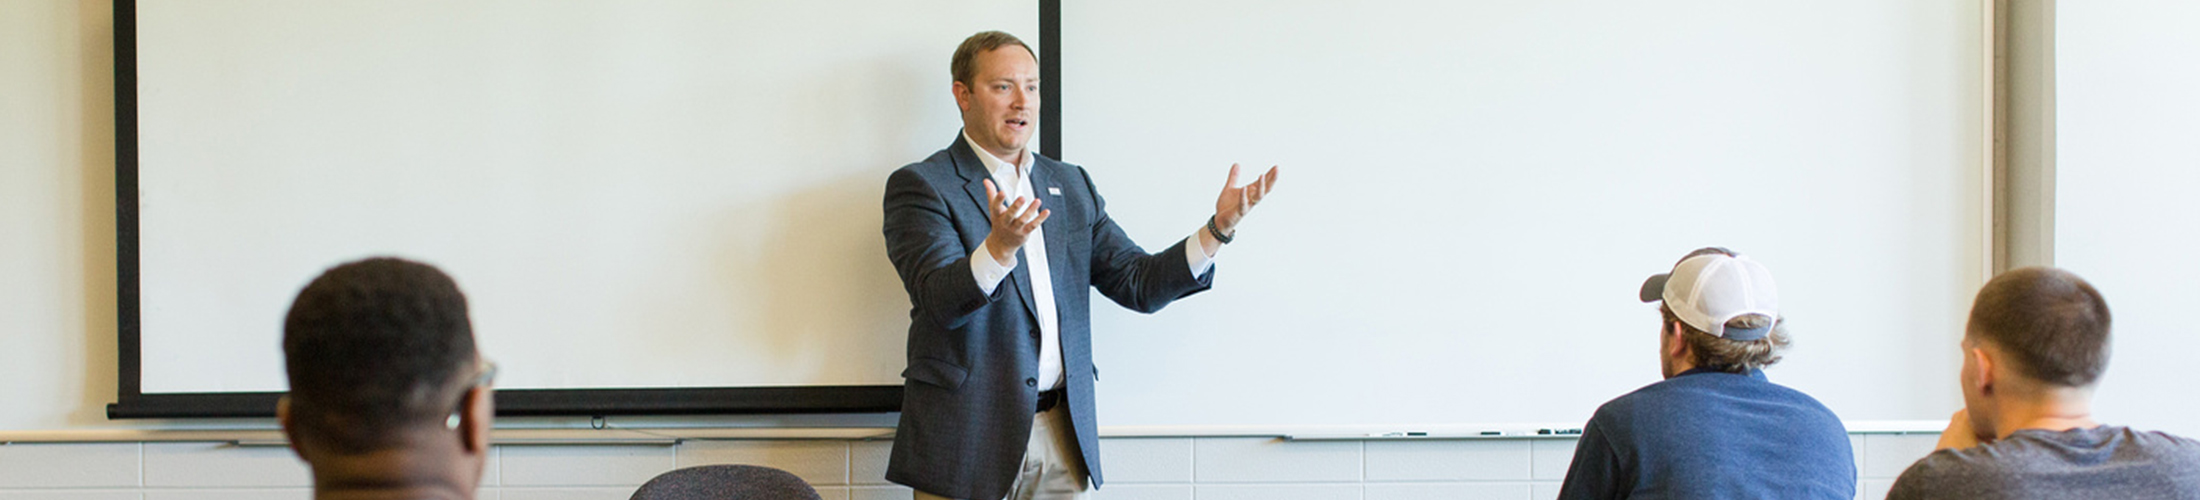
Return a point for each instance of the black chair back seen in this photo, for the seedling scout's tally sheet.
(726, 482)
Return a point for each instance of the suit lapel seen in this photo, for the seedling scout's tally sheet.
(972, 169)
(1057, 229)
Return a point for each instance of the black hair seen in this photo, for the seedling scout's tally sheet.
(373, 348)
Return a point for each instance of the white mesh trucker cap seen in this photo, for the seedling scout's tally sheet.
(1708, 290)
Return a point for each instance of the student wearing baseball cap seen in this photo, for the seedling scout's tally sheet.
(1715, 427)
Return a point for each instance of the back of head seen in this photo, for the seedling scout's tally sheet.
(2051, 323)
(1727, 306)
(375, 348)
(1735, 356)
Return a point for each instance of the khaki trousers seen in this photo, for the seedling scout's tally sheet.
(1052, 469)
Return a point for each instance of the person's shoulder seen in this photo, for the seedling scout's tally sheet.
(1949, 469)
(938, 169)
(1803, 400)
(1652, 399)
(1642, 395)
(1952, 462)
(1941, 474)
(940, 162)
(2180, 450)
(1061, 168)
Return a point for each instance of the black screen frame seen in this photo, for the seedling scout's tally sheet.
(132, 403)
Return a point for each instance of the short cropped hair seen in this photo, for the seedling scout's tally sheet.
(964, 65)
(1733, 356)
(2053, 323)
(373, 348)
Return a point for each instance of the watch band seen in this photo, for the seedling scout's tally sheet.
(1217, 233)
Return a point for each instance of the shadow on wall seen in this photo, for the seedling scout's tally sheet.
(96, 150)
(830, 297)
(830, 303)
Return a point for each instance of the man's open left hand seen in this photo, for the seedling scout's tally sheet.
(1236, 201)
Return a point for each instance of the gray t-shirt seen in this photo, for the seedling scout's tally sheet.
(2102, 462)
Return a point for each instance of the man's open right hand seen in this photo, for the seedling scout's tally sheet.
(1013, 222)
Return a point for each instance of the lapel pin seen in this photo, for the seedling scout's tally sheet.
(1054, 191)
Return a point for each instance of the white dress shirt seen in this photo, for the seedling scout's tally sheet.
(1015, 178)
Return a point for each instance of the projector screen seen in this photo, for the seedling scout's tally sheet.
(633, 194)
(664, 195)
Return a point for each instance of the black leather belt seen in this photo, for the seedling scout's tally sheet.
(1047, 400)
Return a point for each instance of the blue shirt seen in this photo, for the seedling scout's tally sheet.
(1710, 435)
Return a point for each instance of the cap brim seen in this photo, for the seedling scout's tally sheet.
(1653, 289)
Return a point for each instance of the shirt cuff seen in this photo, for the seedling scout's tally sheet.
(1196, 258)
(989, 272)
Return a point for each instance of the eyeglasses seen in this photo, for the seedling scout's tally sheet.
(486, 378)
(488, 375)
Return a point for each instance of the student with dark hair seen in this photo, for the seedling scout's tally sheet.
(1715, 428)
(2035, 347)
(388, 399)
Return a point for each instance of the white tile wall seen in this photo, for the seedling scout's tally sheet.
(1139, 469)
(232, 494)
(820, 462)
(1143, 491)
(1887, 455)
(879, 493)
(1147, 460)
(68, 465)
(1448, 461)
(1455, 491)
(73, 495)
(222, 465)
(1278, 492)
(1273, 460)
(627, 466)
(867, 462)
(1551, 459)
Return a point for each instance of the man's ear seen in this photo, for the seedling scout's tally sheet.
(1676, 345)
(1983, 361)
(290, 431)
(476, 417)
(962, 96)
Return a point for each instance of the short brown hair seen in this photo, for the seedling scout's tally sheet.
(966, 55)
(1733, 356)
(2053, 323)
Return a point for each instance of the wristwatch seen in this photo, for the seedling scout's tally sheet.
(1217, 233)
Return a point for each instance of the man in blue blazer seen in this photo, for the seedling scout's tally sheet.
(998, 401)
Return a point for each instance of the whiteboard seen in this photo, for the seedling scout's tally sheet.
(2124, 208)
(685, 194)
(1473, 192)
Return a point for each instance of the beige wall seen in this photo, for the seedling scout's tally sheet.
(57, 270)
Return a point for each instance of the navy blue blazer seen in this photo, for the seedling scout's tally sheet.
(971, 385)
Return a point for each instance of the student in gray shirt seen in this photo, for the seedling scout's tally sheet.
(2036, 344)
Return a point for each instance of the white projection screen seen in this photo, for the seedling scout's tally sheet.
(667, 195)
(653, 194)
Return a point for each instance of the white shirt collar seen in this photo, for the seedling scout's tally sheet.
(995, 165)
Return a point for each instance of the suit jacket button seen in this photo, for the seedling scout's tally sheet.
(1031, 382)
